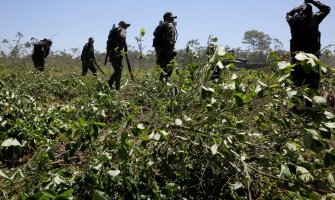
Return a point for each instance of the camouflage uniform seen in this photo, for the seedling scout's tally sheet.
(88, 58)
(117, 48)
(41, 51)
(165, 51)
(305, 36)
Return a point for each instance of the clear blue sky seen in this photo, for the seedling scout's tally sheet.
(76, 20)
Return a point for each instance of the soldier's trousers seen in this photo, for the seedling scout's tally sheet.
(88, 64)
(299, 76)
(302, 78)
(116, 76)
(39, 63)
(163, 61)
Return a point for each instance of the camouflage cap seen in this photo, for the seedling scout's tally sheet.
(47, 41)
(169, 15)
(123, 23)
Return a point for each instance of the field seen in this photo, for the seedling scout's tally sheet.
(64, 136)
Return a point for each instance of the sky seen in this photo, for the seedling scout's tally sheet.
(74, 21)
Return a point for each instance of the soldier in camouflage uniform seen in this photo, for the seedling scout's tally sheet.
(88, 58)
(165, 36)
(41, 51)
(117, 48)
(305, 36)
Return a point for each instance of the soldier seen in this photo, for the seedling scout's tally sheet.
(165, 37)
(305, 36)
(117, 48)
(88, 58)
(41, 51)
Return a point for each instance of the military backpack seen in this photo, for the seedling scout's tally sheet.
(113, 38)
(158, 36)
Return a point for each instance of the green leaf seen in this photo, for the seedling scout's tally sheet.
(140, 126)
(313, 132)
(50, 194)
(274, 55)
(320, 100)
(214, 149)
(329, 159)
(233, 77)
(113, 173)
(164, 135)
(123, 154)
(285, 171)
(329, 115)
(67, 193)
(261, 83)
(178, 122)
(258, 88)
(214, 39)
(304, 174)
(100, 124)
(157, 136)
(129, 121)
(301, 56)
(236, 186)
(57, 180)
(142, 32)
(308, 140)
(98, 195)
(291, 146)
(330, 125)
(291, 93)
(331, 180)
(138, 130)
(144, 137)
(320, 184)
(82, 122)
(239, 98)
(10, 142)
(206, 92)
(3, 174)
(325, 133)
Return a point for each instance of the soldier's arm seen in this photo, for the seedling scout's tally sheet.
(46, 52)
(171, 34)
(290, 15)
(84, 52)
(123, 40)
(93, 55)
(324, 10)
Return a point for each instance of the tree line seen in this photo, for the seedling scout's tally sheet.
(17, 52)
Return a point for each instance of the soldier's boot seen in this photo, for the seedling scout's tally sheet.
(111, 83)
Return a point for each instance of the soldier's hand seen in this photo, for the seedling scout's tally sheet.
(309, 1)
(298, 9)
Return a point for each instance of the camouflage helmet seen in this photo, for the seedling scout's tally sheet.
(124, 24)
(168, 15)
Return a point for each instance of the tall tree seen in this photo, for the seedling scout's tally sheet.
(257, 40)
(277, 44)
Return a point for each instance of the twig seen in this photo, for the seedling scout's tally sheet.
(287, 180)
